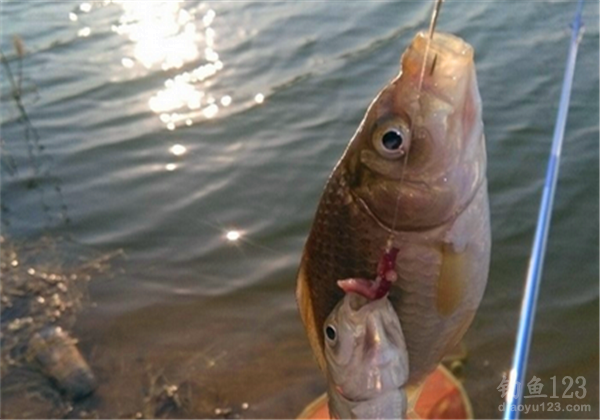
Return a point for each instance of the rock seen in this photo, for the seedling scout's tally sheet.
(58, 357)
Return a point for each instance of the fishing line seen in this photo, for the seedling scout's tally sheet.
(416, 393)
(434, 17)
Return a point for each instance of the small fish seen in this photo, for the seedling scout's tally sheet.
(413, 172)
(367, 361)
(365, 351)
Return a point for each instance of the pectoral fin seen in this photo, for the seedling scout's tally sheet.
(454, 274)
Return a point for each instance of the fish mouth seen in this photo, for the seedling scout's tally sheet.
(446, 55)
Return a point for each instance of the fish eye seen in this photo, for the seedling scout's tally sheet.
(330, 333)
(391, 139)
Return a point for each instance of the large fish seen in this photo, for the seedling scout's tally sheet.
(414, 172)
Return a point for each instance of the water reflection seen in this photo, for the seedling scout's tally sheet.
(233, 235)
(226, 100)
(163, 32)
(85, 7)
(127, 62)
(168, 36)
(175, 37)
(84, 32)
(179, 41)
(178, 150)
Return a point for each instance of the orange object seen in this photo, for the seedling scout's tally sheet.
(441, 397)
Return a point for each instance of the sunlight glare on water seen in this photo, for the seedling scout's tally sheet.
(233, 235)
(85, 7)
(163, 32)
(178, 150)
(168, 36)
(84, 32)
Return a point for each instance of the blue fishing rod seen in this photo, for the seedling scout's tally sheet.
(536, 261)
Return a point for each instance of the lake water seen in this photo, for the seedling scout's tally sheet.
(167, 125)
